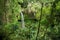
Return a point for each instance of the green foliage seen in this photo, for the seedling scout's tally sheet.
(10, 27)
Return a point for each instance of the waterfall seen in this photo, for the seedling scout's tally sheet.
(22, 20)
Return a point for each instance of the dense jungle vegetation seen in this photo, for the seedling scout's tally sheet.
(29, 19)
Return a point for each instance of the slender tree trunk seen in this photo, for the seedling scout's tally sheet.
(53, 13)
(39, 22)
(3, 11)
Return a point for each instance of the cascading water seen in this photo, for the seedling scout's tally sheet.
(22, 20)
